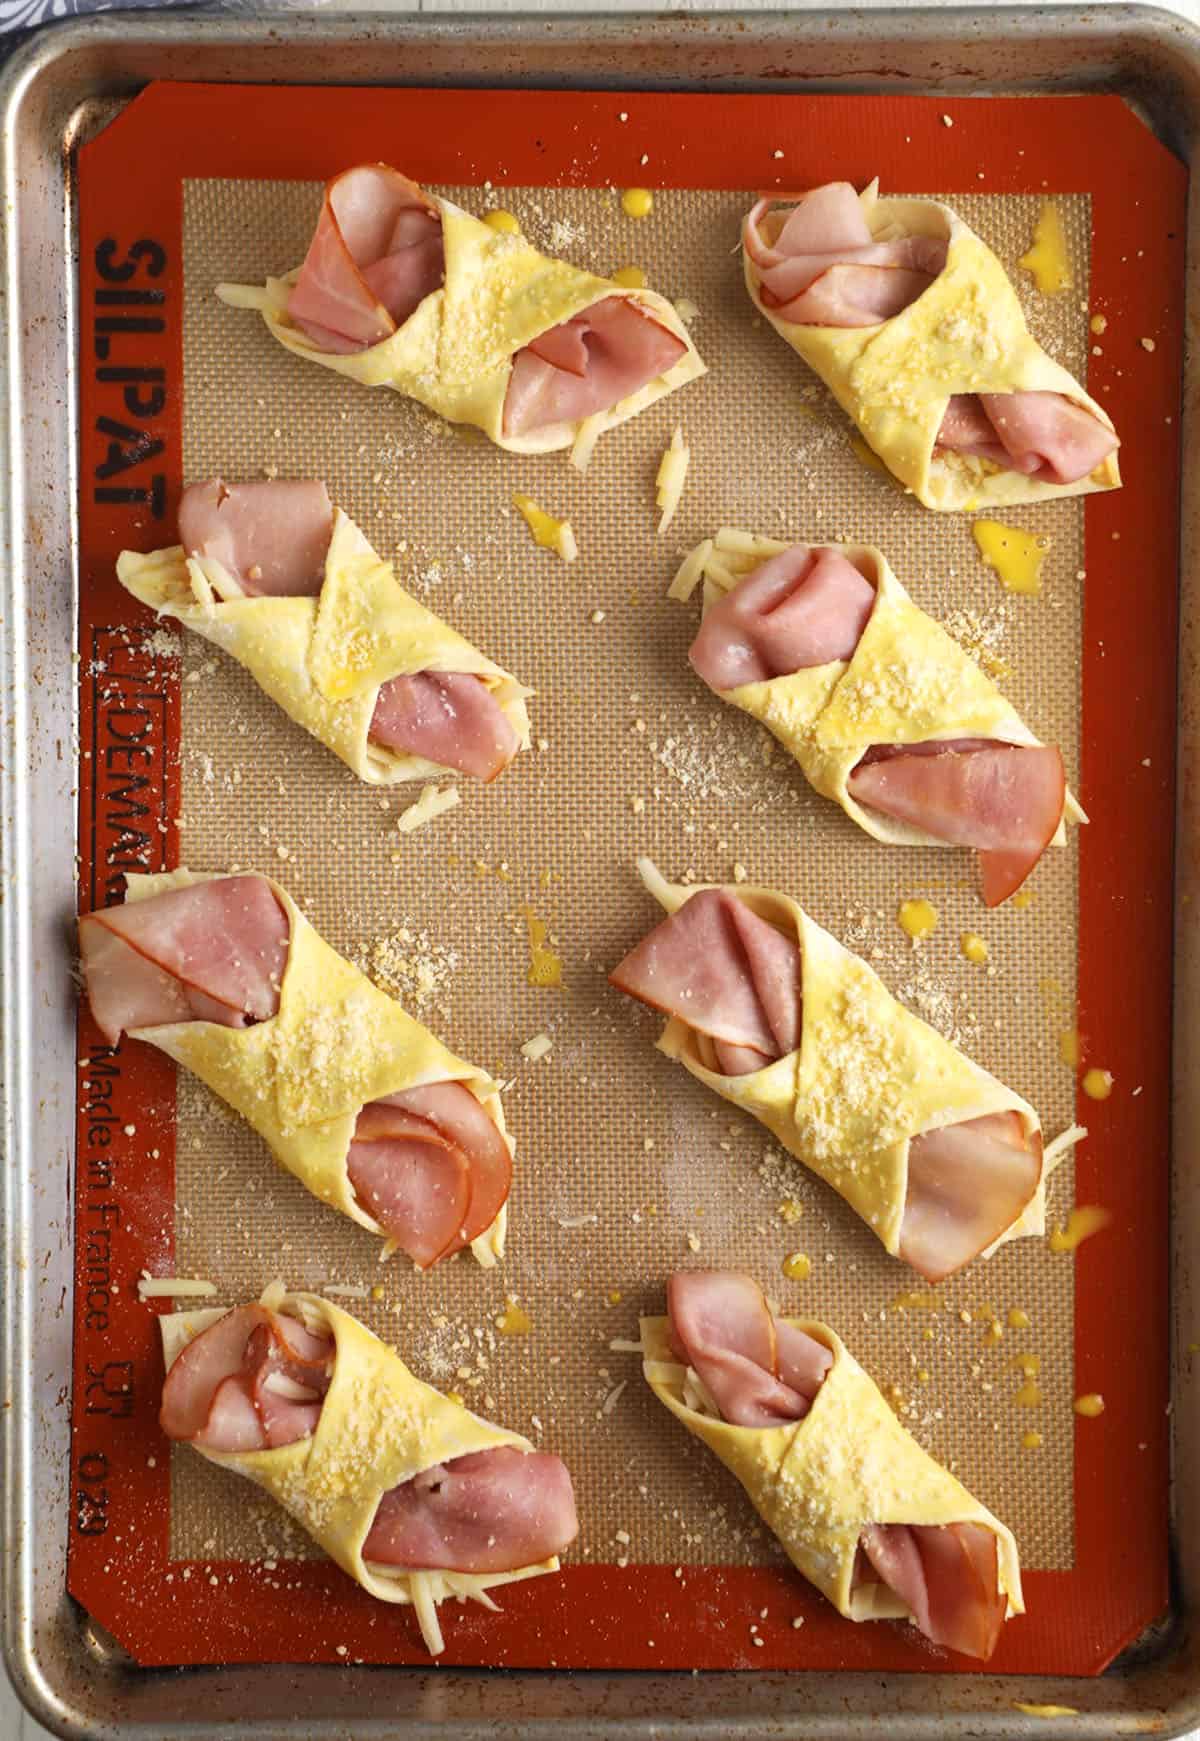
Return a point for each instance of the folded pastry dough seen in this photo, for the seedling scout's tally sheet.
(965, 334)
(454, 352)
(379, 1426)
(325, 659)
(820, 1482)
(301, 1077)
(866, 1079)
(906, 682)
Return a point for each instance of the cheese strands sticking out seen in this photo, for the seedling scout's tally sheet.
(415, 1498)
(861, 1510)
(913, 325)
(403, 289)
(940, 1159)
(291, 589)
(368, 1110)
(883, 710)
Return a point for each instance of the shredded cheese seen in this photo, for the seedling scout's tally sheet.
(1061, 1146)
(623, 1345)
(173, 1288)
(431, 803)
(347, 1291)
(690, 572)
(590, 431)
(427, 1615)
(672, 474)
(548, 533)
(613, 1397)
(537, 1047)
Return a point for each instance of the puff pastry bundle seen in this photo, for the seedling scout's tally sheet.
(883, 710)
(412, 1495)
(912, 323)
(940, 1159)
(369, 1111)
(881, 1529)
(404, 289)
(292, 590)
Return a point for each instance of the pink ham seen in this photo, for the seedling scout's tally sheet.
(758, 1371)
(1004, 799)
(947, 1577)
(1043, 435)
(377, 253)
(802, 608)
(967, 1183)
(762, 1372)
(252, 1380)
(256, 1380)
(271, 537)
(730, 975)
(432, 1167)
(490, 1511)
(213, 951)
(818, 264)
(451, 718)
(587, 364)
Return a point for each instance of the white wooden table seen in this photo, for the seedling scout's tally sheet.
(15, 1723)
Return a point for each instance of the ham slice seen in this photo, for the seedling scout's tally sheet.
(212, 951)
(451, 718)
(1004, 799)
(271, 537)
(947, 1577)
(967, 1183)
(818, 264)
(802, 608)
(1043, 435)
(257, 1379)
(758, 1371)
(252, 1380)
(729, 974)
(587, 364)
(490, 1511)
(761, 1372)
(432, 1168)
(377, 253)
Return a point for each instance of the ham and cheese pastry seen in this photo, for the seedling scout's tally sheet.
(369, 1111)
(272, 575)
(404, 289)
(881, 1529)
(914, 326)
(940, 1159)
(883, 710)
(412, 1495)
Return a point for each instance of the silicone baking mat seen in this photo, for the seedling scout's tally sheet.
(626, 1169)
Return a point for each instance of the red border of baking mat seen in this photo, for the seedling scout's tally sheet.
(131, 319)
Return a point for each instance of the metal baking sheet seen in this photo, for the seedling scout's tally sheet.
(711, 1699)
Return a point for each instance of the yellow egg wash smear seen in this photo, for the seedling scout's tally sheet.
(1089, 1218)
(917, 918)
(545, 967)
(1047, 259)
(630, 278)
(549, 533)
(1015, 557)
(637, 202)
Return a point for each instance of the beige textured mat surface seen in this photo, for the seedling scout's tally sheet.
(626, 1168)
